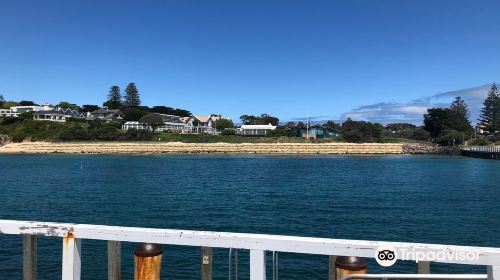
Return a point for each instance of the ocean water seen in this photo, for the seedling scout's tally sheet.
(430, 199)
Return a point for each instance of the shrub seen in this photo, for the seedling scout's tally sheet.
(450, 138)
(11, 120)
(18, 137)
(360, 132)
(278, 132)
(421, 134)
(228, 131)
(479, 142)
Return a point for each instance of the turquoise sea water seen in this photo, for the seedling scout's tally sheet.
(446, 200)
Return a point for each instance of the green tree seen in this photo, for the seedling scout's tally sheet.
(27, 103)
(436, 120)
(114, 98)
(421, 134)
(278, 132)
(490, 113)
(152, 120)
(67, 105)
(362, 132)
(8, 104)
(460, 107)
(89, 108)
(2, 100)
(332, 125)
(262, 119)
(403, 130)
(132, 98)
(223, 124)
(133, 114)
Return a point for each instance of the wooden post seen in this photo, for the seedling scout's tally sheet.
(424, 267)
(114, 260)
(29, 257)
(147, 261)
(350, 265)
(331, 267)
(206, 263)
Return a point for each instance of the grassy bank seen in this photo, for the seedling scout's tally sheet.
(29, 130)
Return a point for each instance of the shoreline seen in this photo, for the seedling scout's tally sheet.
(202, 148)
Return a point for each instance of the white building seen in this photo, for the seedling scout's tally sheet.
(170, 123)
(255, 130)
(193, 124)
(53, 116)
(57, 115)
(34, 108)
(16, 111)
(8, 113)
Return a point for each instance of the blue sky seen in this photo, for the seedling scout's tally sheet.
(378, 60)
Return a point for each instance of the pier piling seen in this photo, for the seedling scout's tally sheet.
(147, 261)
(350, 265)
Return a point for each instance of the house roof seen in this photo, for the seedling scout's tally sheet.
(201, 118)
(258, 126)
(49, 112)
(102, 110)
(184, 119)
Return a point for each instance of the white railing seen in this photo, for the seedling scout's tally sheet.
(257, 244)
(482, 149)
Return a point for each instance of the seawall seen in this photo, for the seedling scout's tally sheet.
(195, 148)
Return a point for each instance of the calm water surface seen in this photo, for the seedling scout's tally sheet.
(450, 200)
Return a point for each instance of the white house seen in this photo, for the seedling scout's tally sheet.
(57, 115)
(201, 124)
(105, 115)
(34, 108)
(8, 113)
(50, 115)
(255, 130)
(16, 111)
(170, 123)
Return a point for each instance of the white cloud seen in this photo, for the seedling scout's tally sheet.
(413, 111)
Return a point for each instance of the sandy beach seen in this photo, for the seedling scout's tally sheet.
(198, 148)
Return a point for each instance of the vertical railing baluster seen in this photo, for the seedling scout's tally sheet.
(29, 257)
(257, 265)
(493, 272)
(71, 262)
(114, 260)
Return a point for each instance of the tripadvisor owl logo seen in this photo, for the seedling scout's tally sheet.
(386, 255)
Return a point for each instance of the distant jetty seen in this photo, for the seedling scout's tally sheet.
(198, 148)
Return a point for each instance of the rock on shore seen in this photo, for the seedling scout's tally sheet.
(421, 149)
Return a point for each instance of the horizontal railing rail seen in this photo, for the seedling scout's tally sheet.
(417, 276)
(257, 244)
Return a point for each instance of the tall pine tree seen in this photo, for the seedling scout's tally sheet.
(114, 98)
(460, 107)
(490, 113)
(132, 98)
(458, 118)
(2, 100)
